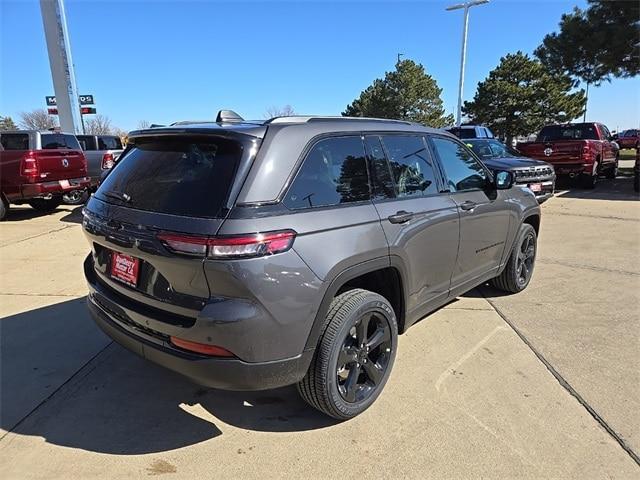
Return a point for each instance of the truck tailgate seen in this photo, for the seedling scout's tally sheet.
(61, 164)
(554, 152)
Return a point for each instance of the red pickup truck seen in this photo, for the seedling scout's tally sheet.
(586, 150)
(38, 167)
(629, 139)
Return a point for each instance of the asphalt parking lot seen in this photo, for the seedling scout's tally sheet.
(545, 384)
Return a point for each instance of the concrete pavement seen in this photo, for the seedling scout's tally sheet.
(467, 397)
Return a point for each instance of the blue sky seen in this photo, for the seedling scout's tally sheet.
(174, 60)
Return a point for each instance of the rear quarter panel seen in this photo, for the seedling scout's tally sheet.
(10, 179)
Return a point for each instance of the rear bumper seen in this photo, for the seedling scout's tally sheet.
(33, 190)
(222, 373)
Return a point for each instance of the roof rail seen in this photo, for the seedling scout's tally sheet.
(307, 119)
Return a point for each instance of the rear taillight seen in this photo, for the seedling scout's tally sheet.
(107, 161)
(237, 246)
(29, 165)
(203, 348)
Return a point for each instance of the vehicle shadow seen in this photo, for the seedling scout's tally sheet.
(21, 213)
(108, 400)
(75, 216)
(620, 188)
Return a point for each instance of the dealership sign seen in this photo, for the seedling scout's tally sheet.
(83, 99)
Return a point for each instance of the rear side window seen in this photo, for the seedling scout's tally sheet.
(87, 142)
(463, 171)
(411, 165)
(15, 141)
(334, 172)
(52, 141)
(109, 143)
(187, 176)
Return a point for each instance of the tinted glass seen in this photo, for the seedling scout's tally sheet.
(109, 143)
(383, 186)
(605, 131)
(87, 142)
(189, 177)
(463, 171)
(491, 149)
(463, 132)
(567, 132)
(15, 141)
(52, 141)
(630, 133)
(334, 172)
(411, 165)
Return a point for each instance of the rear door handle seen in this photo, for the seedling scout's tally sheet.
(468, 205)
(400, 217)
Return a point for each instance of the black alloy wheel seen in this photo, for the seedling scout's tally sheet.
(364, 357)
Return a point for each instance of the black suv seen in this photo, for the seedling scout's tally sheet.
(251, 256)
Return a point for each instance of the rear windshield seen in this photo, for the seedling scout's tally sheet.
(109, 143)
(568, 132)
(15, 141)
(186, 176)
(52, 141)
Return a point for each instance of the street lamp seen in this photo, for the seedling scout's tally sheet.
(466, 6)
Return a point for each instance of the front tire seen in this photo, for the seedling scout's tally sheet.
(612, 172)
(45, 205)
(354, 356)
(517, 274)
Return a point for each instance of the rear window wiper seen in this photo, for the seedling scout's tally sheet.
(123, 197)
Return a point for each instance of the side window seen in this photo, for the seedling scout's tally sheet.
(463, 171)
(15, 141)
(605, 131)
(411, 165)
(109, 143)
(383, 186)
(334, 172)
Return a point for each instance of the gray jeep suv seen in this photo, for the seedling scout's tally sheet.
(251, 256)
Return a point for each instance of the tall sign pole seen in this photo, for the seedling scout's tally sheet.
(463, 54)
(62, 72)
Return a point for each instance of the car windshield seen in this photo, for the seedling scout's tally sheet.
(491, 149)
(568, 132)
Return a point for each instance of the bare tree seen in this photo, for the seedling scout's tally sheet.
(38, 119)
(123, 134)
(142, 124)
(98, 125)
(274, 111)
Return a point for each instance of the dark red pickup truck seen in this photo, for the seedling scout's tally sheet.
(38, 167)
(586, 150)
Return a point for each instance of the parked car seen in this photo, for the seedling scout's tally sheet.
(38, 167)
(584, 150)
(101, 152)
(629, 139)
(250, 256)
(536, 175)
(471, 131)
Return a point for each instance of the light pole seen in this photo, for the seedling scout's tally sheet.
(466, 6)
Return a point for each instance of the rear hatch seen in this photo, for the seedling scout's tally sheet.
(60, 157)
(180, 186)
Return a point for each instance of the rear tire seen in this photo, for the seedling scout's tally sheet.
(4, 208)
(517, 274)
(354, 356)
(589, 181)
(44, 205)
(76, 197)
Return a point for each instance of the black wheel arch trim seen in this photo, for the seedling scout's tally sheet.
(349, 273)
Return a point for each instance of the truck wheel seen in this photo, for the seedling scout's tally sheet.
(612, 172)
(354, 356)
(4, 207)
(76, 197)
(517, 274)
(45, 205)
(589, 181)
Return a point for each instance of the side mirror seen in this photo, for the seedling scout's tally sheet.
(504, 180)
